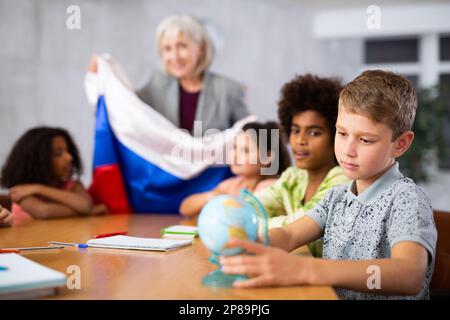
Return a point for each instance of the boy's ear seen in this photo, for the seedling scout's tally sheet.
(402, 144)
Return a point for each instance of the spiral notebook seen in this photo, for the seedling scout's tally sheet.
(136, 243)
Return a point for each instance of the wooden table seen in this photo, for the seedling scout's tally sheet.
(128, 274)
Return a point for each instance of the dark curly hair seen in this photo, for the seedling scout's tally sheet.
(309, 92)
(284, 160)
(30, 158)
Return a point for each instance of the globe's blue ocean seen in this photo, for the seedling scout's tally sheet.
(224, 217)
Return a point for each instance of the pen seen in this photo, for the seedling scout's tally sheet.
(110, 234)
(64, 244)
(9, 251)
(3, 268)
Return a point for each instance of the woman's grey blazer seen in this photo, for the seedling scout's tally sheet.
(221, 102)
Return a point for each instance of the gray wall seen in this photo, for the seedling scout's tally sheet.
(42, 63)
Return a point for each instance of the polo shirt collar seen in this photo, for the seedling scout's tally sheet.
(383, 182)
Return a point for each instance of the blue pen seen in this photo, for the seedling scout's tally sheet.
(78, 245)
(3, 268)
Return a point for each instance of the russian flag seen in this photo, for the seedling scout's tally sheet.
(142, 162)
(107, 183)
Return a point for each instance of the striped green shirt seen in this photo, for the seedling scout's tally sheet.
(283, 200)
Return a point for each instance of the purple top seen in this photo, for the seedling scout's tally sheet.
(188, 106)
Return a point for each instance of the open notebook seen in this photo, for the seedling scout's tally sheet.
(135, 243)
(21, 278)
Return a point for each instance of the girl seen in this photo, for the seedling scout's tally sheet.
(247, 165)
(307, 112)
(42, 174)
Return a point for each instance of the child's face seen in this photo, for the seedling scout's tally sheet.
(310, 141)
(363, 147)
(61, 159)
(245, 157)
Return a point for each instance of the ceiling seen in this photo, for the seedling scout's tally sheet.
(336, 4)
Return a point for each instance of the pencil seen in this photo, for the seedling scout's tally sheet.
(40, 248)
(30, 249)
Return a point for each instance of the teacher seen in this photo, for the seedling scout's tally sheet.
(186, 91)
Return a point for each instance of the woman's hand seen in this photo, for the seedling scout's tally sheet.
(93, 67)
(265, 266)
(6, 217)
(20, 192)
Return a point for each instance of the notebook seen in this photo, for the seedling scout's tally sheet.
(136, 243)
(21, 278)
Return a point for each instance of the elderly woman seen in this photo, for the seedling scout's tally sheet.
(186, 91)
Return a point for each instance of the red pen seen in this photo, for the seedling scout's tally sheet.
(120, 233)
(9, 251)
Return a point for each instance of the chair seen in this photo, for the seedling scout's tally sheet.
(440, 283)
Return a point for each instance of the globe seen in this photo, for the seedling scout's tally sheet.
(225, 217)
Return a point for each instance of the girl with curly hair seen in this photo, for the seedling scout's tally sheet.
(42, 172)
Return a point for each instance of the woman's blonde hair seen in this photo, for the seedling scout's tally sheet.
(192, 28)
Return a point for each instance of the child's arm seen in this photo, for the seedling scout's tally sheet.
(192, 205)
(6, 218)
(41, 209)
(402, 274)
(77, 199)
(99, 209)
(296, 234)
(273, 263)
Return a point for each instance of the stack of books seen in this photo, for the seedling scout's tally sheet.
(180, 232)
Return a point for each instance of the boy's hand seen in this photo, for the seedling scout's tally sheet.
(20, 192)
(6, 217)
(267, 267)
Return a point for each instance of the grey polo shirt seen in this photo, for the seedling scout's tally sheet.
(367, 226)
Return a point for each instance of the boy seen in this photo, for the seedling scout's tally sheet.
(379, 233)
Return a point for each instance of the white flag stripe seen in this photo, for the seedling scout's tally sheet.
(149, 134)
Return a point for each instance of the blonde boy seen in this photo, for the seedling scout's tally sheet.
(379, 233)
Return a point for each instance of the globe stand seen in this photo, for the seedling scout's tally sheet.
(217, 278)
